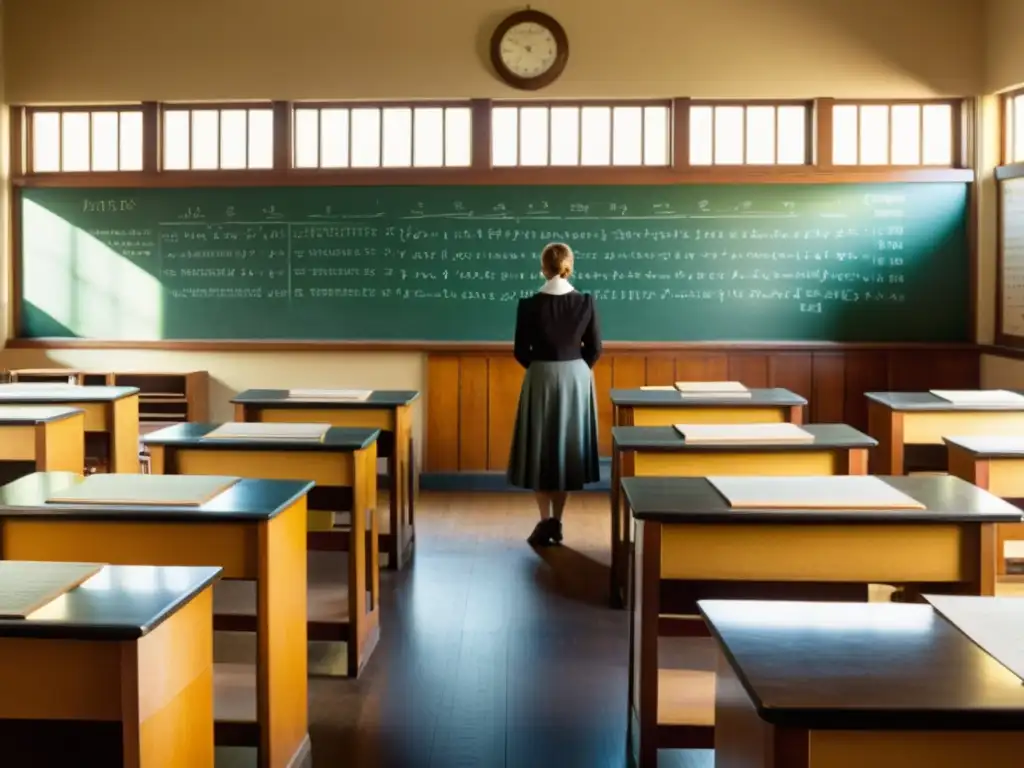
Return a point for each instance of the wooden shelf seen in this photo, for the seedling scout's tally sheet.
(686, 682)
(234, 693)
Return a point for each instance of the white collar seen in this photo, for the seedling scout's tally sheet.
(557, 286)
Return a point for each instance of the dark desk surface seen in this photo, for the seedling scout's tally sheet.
(990, 447)
(192, 436)
(654, 398)
(861, 666)
(62, 393)
(245, 501)
(668, 439)
(121, 602)
(695, 500)
(278, 398)
(22, 415)
(926, 401)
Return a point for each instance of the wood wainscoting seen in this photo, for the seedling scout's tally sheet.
(472, 395)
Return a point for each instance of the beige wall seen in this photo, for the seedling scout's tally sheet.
(108, 50)
(1004, 54)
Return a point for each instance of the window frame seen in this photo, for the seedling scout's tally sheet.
(810, 108)
(1006, 127)
(958, 154)
(171, 106)
(26, 128)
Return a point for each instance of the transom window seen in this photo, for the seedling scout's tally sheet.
(893, 134)
(382, 137)
(749, 134)
(202, 138)
(1013, 128)
(594, 135)
(86, 140)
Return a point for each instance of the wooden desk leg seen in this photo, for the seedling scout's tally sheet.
(856, 461)
(242, 415)
(60, 445)
(282, 701)
(124, 435)
(394, 549)
(363, 622)
(796, 414)
(618, 568)
(645, 569)
(167, 691)
(414, 489)
(886, 426)
(977, 471)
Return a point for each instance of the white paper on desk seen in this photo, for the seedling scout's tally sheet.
(783, 432)
(658, 388)
(710, 386)
(42, 389)
(994, 624)
(738, 395)
(329, 394)
(836, 492)
(979, 396)
(268, 431)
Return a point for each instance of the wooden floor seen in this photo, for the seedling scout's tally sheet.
(492, 655)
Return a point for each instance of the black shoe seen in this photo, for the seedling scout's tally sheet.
(556, 531)
(542, 533)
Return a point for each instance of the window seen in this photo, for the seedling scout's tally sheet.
(749, 134)
(86, 140)
(1013, 127)
(594, 135)
(207, 139)
(382, 137)
(893, 134)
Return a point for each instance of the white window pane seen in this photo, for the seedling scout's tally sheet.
(728, 135)
(874, 134)
(458, 136)
(937, 120)
(844, 134)
(45, 141)
(504, 136)
(906, 134)
(533, 136)
(104, 141)
(205, 145)
(428, 137)
(365, 132)
(701, 135)
(74, 141)
(334, 138)
(176, 139)
(130, 141)
(596, 135)
(305, 138)
(261, 138)
(565, 135)
(656, 135)
(396, 151)
(791, 139)
(761, 135)
(627, 135)
(234, 131)
(1018, 129)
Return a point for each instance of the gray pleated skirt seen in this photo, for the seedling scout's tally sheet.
(554, 447)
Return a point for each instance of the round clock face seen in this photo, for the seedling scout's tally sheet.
(528, 50)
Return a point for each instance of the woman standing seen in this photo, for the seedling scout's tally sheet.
(554, 448)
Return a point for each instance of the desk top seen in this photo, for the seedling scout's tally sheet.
(22, 415)
(861, 666)
(668, 439)
(247, 500)
(695, 500)
(62, 393)
(191, 436)
(278, 398)
(990, 447)
(121, 602)
(926, 401)
(655, 398)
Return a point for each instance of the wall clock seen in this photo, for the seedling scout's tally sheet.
(529, 50)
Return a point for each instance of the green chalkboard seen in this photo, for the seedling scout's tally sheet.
(665, 263)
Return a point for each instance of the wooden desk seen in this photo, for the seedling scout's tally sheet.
(820, 685)
(118, 671)
(40, 438)
(837, 449)
(997, 465)
(898, 419)
(686, 531)
(390, 411)
(110, 412)
(344, 468)
(255, 530)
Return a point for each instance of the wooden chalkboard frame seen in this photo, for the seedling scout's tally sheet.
(1004, 175)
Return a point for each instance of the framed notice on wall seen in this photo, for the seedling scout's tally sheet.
(1010, 328)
